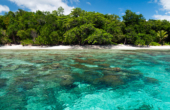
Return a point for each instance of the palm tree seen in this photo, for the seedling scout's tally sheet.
(162, 35)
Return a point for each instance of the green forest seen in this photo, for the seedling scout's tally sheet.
(81, 28)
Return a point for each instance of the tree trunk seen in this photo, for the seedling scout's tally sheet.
(125, 41)
(13, 38)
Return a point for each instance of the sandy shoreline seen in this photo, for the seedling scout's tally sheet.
(120, 46)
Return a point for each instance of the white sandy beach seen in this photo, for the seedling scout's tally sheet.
(120, 46)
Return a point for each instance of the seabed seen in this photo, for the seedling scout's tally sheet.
(85, 79)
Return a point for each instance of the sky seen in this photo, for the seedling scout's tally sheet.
(150, 9)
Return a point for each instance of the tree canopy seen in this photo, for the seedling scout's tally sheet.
(80, 28)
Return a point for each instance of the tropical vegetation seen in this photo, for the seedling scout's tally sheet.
(80, 28)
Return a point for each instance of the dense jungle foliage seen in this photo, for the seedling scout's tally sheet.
(81, 27)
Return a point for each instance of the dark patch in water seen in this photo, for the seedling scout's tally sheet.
(145, 107)
(13, 102)
(151, 80)
(3, 83)
(167, 69)
(1, 66)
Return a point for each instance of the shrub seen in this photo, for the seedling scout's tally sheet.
(167, 43)
(139, 42)
(154, 44)
(26, 42)
(4, 38)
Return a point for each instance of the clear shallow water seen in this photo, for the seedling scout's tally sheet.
(84, 80)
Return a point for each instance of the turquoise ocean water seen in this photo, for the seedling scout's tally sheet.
(84, 80)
